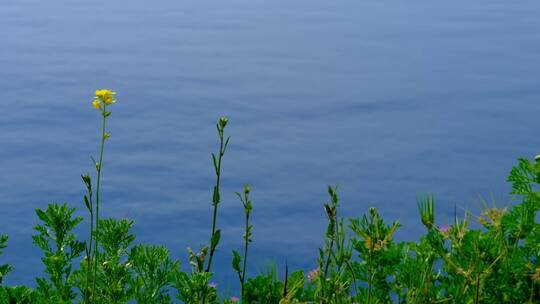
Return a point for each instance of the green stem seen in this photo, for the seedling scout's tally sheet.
(99, 166)
(214, 216)
(330, 248)
(353, 277)
(477, 298)
(427, 280)
(245, 252)
(370, 262)
(533, 285)
(88, 258)
(369, 288)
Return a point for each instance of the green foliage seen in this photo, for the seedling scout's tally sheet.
(415, 278)
(114, 270)
(153, 271)
(357, 263)
(264, 288)
(4, 268)
(336, 278)
(379, 257)
(248, 207)
(194, 288)
(215, 236)
(17, 295)
(525, 176)
(57, 241)
(426, 206)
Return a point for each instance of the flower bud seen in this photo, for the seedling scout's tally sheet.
(86, 179)
(372, 211)
(223, 122)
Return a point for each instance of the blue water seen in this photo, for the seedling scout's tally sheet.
(387, 99)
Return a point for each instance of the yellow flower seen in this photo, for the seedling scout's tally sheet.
(106, 96)
(96, 104)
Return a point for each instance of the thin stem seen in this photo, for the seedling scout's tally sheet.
(98, 167)
(330, 248)
(333, 221)
(88, 258)
(427, 280)
(242, 285)
(353, 277)
(245, 251)
(369, 288)
(370, 263)
(215, 203)
(477, 298)
(533, 284)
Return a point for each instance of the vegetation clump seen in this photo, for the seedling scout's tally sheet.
(359, 260)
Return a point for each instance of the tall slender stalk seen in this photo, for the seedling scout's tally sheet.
(371, 272)
(88, 200)
(329, 251)
(245, 252)
(241, 271)
(89, 253)
(477, 296)
(247, 234)
(102, 99)
(215, 235)
(99, 166)
(331, 212)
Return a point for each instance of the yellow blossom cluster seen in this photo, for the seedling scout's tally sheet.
(103, 97)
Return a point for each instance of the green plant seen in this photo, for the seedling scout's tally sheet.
(103, 98)
(195, 288)
(153, 274)
(223, 143)
(379, 256)
(334, 277)
(246, 202)
(60, 248)
(496, 262)
(264, 288)
(4, 268)
(17, 295)
(113, 273)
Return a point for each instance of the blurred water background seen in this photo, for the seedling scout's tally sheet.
(389, 100)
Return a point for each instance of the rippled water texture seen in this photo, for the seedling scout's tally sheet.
(387, 99)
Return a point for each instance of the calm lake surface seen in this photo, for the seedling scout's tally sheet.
(389, 100)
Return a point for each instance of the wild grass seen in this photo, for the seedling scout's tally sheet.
(359, 261)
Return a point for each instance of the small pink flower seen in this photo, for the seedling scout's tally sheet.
(444, 229)
(314, 274)
(212, 285)
(234, 299)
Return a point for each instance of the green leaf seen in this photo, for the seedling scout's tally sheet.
(226, 144)
(215, 196)
(87, 180)
(215, 239)
(87, 203)
(215, 163)
(236, 261)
